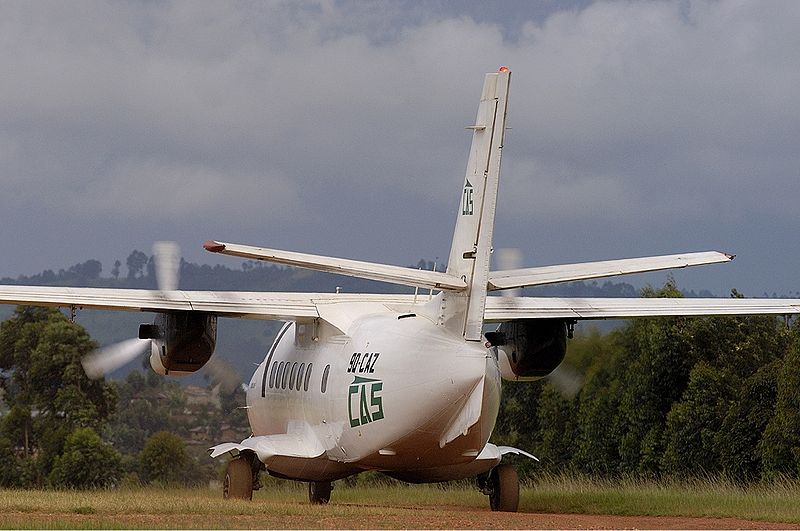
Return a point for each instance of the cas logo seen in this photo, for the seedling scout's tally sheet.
(467, 203)
(364, 402)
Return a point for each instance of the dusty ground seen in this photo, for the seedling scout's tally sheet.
(442, 517)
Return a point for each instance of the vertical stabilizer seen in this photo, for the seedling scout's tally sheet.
(472, 240)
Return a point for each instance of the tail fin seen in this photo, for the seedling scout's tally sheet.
(472, 240)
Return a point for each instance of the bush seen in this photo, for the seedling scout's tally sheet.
(86, 462)
(164, 459)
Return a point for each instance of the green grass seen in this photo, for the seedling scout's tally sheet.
(394, 505)
(777, 502)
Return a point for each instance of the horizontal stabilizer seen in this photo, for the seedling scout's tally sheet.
(537, 276)
(342, 266)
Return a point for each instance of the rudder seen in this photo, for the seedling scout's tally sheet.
(472, 239)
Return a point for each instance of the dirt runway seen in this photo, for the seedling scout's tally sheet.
(443, 517)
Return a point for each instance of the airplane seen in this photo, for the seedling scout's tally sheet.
(406, 384)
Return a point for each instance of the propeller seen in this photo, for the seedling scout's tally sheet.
(108, 359)
(167, 260)
(222, 372)
(565, 378)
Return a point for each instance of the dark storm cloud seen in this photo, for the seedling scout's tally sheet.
(337, 127)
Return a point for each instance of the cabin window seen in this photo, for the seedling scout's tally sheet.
(292, 375)
(285, 375)
(299, 384)
(272, 374)
(308, 376)
(278, 374)
(325, 378)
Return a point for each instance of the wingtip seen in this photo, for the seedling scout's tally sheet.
(730, 256)
(214, 247)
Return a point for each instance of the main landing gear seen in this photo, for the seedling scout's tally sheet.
(319, 492)
(241, 477)
(501, 485)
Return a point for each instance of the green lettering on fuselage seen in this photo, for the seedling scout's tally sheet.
(370, 403)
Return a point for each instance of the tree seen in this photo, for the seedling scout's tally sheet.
(115, 269)
(88, 270)
(44, 384)
(517, 421)
(86, 462)
(556, 434)
(164, 459)
(745, 422)
(148, 404)
(780, 445)
(136, 262)
(597, 438)
(694, 422)
(9, 472)
(661, 358)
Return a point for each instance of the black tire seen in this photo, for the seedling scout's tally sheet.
(504, 484)
(319, 492)
(238, 482)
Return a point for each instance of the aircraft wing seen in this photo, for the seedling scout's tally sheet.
(294, 306)
(508, 308)
(537, 276)
(243, 304)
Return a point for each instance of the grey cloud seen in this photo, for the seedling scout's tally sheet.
(338, 126)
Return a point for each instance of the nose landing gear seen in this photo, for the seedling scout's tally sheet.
(501, 485)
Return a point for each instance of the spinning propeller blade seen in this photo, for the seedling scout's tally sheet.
(168, 260)
(564, 378)
(108, 359)
(104, 360)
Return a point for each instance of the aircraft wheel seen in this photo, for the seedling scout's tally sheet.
(238, 482)
(319, 492)
(504, 489)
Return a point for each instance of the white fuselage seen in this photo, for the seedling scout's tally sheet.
(396, 393)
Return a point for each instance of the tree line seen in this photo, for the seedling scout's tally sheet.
(672, 397)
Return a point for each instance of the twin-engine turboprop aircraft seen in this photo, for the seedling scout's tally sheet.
(405, 385)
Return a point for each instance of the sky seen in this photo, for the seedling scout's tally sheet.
(334, 127)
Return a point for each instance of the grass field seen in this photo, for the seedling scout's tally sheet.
(392, 506)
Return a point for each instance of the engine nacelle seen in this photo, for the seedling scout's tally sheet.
(529, 349)
(181, 342)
